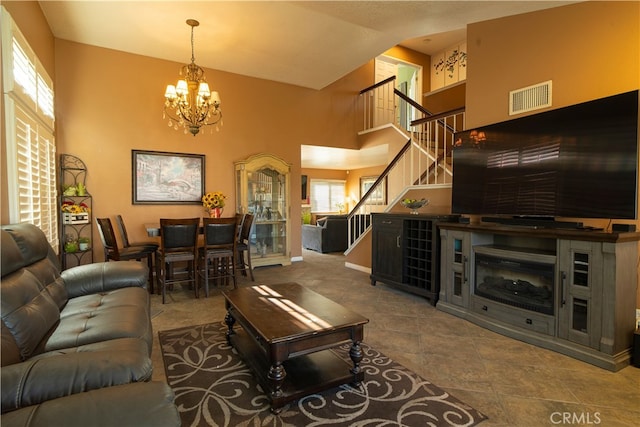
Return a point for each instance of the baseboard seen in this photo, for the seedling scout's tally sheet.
(358, 267)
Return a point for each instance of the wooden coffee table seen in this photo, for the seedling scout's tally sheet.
(286, 338)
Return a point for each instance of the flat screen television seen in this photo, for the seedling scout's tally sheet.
(578, 162)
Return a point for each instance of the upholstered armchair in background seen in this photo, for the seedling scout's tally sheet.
(329, 234)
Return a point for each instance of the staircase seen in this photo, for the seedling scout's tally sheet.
(424, 162)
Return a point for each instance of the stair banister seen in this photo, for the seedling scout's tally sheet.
(424, 156)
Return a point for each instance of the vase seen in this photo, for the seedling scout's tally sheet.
(215, 212)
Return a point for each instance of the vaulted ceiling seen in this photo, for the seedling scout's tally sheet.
(320, 41)
(304, 43)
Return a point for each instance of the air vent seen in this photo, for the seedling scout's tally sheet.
(530, 98)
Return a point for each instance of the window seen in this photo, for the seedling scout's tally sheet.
(326, 195)
(29, 117)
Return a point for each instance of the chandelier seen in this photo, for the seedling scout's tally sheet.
(190, 103)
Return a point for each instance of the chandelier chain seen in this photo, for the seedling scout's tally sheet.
(193, 55)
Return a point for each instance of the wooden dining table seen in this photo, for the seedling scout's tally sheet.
(153, 229)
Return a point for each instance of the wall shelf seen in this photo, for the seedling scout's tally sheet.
(74, 226)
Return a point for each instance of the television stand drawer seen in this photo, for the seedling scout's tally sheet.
(513, 316)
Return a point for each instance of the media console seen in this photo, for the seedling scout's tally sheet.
(569, 290)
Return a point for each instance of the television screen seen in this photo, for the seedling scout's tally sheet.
(579, 161)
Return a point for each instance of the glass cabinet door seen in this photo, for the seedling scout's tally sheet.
(262, 183)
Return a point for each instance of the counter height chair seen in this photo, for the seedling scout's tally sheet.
(218, 255)
(243, 246)
(113, 252)
(125, 236)
(178, 244)
(151, 246)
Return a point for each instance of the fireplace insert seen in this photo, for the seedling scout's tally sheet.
(524, 284)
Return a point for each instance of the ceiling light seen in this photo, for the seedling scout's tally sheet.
(190, 103)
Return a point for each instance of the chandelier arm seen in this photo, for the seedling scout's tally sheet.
(171, 116)
(212, 123)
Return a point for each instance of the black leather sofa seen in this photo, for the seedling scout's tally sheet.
(76, 344)
(328, 235)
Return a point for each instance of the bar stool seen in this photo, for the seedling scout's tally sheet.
(150, 245)
(178, 243)
(125, 236)
(218, 253)
(113, 252)
(244, 246)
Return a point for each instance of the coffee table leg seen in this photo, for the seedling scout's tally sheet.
(230, 321)
(276, 377)
(355, 353)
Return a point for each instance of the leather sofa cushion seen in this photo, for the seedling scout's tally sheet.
(12, 258)
(122, 313)
(28, 311)
(139, 404)
(75, 370)
(10, 353)
(104, 277)
(25, 247)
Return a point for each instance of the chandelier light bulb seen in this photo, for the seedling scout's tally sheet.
(203, 90)
(182, 88)
(170, 93)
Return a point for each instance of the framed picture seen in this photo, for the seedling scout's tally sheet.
(379, 196)
(166, 178)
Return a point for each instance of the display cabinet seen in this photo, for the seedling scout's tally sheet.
(75, 213)
(263, 189)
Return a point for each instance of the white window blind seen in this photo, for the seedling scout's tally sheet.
(29, 118)
(326, 194)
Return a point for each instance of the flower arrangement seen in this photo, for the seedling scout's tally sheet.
(71, 207)
(214, 199)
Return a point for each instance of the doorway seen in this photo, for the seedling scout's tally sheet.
(390, 108)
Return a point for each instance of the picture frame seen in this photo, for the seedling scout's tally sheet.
(304, 180)
(166, 178)
(379, 196)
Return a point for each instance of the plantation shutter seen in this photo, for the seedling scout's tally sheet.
(29, 118)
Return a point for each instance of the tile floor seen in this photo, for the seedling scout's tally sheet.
(515, 384)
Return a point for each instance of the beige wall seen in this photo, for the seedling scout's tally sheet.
(589, 50)
(110, 102)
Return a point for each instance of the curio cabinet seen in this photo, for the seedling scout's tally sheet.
(263, 189)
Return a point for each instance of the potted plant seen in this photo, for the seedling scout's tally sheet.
(83, 243)
(71, 246)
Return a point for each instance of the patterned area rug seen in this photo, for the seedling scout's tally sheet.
(214, 387)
